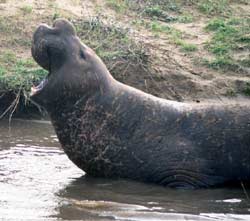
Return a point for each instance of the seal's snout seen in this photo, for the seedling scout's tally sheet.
(48, 41)
(41, 32)
(39, 45)
(64, 26)
(60, 27)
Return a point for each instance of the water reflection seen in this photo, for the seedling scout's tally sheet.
(32, 170)
(37, 181)
(136, 201)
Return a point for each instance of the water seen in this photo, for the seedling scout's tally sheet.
(38, 182)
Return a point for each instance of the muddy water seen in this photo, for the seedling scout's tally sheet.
(38, 182)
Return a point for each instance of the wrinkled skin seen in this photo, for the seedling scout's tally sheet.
(109, 129)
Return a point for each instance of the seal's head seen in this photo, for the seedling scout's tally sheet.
(74, 69)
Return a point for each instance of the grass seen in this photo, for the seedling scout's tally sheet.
(245, 2)
(246, 90)
(229, 37)
(245, 62)
(161, 9)
(155, 12)
(214, 7)
(175, 36)
(119, 6)
(16, 78)
(188, 47)
(158, 27)
(14, 33)
(152, 9)
(165, 5)
(222, 63)
(27, 9)
(56, 15)
(18, 74)
(185, 18)
(3, 25)
(114, 44)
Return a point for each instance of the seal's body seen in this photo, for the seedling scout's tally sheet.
(109, 129)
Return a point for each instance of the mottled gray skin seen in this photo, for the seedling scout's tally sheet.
(109, 129)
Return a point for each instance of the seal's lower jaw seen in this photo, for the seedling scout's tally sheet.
(35, 90)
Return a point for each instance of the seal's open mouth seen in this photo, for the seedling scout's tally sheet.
(49, 50)
(39, 87)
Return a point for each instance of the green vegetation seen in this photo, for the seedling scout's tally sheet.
(18, 74)
(165, 5)
(56, 15)
(221, 63)
(16, 78)
(175, 36)
(14, 33)
(27, 9)
(154, 9)
(214, 7)
(156, 12)
(127, 55)
(158, 27)
(160, 9)
(246, 2)
(119, 6)
(188, 47)
(245, 62)
(3, 25)
(246, 90)
(229, 37)
(185, 18)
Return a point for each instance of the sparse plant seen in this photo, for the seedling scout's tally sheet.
(222, 62)
(2, 71)
(214, 7)
(185, 18)
(188, 47)
(117, 5)
(56, 15)
(175, 36)
(231, 92)
(245, 62)
(112, 43)
(18, 73)
(246, 90)
(229, 36)
(156, 12)
(27, 9)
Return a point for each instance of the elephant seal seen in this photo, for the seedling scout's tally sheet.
(109, 129)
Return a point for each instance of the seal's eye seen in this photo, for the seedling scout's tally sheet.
(82, 55)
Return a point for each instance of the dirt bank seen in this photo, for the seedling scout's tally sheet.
(180, 50)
